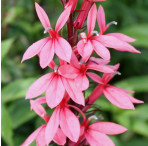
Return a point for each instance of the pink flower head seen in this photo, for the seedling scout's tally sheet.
(46, 47)
(55, 84)
(39, 134)
(81, 80)
(68, 122)
(115, 95)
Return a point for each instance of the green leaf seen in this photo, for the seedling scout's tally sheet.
(138, 84)
(16, 89)
(5, 46)
(6, 125)
(20, 113)
(139, 32)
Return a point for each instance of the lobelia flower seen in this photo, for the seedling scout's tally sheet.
(63, 117)
(55, 84)
(46, 47)
(117, 96)
(83, 12)
(39, 134)
(81, 80)
(73, 4)
(98, 43)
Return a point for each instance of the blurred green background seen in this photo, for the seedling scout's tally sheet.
(21, 27)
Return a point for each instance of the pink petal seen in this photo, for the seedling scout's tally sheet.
(95, 77)
(122, 37)
(85, 49)
(55, 92)
(32, 137)
(68, 71)
(134, 100)
(99, 60)
(101, 19)
(63, 49)
(75, 93)
(47, 54)
(52, 126)
(117, 44)
(69, 124)
(59, 138)
(82, 82)
(39, 86)
(63, 19)
(40, 140)
(91, 20)
(74, 61)
(107, 128)
(34, 49)
(95, 138)
(100, 67)
(42, 16)
(118, 97)
(101, 50)
(37, 107)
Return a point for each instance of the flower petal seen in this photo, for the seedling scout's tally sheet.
(42, 16)
(34, 49)
(95, 77)
(55, 92)
(75, 94)
(91, 20)
(101, 50)
(63, 19)
(63, 49)
(47, 54)
(98, 139)
(118, 97)
(32, 137)
(59, 138)
(52, 126)
(107, 128)
(39, 86)
(69, 124)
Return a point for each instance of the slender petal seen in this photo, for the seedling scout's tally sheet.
(82, 82)
(118, 97)
(95, 77)
(122, 37)
(39, 86)
(34, 49)
(75, 93)
(52, 126)
(69, 124)
(32, 137)
(68, 71)
(63, 49)
(74, 61)
(59, 138)
(107, 128)
(95, 138)
(55, 92)
(46, 54)
(101, 20)
(117, 44)
(63, 19)
(101, 50)
(91, 20)
(42, 16)
(99, 60)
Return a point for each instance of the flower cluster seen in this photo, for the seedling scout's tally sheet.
(65, 87)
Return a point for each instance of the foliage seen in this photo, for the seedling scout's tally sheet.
(20, 28)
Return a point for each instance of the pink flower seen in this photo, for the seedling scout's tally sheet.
(63, 117)
(73, 4)
(55, 84)
(115, 95)
(39, 134)
(46, 47)
(81, 80)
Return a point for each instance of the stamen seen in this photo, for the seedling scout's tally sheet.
(82, 62)
(44, 114)
(93, 117)
(55, 68)
(113, 22)
(116, 73)
(95, 32)
(47, 29)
